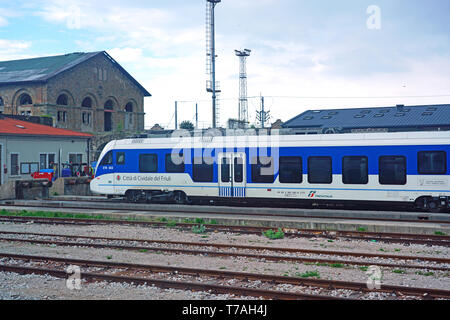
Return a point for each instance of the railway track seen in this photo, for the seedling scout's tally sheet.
(229, 250)
(126, 272)
(439, 240)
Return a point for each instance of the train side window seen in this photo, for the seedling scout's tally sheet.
(355, 170)
(291, 170)
(432, 162)
(225, 170)
(238, 170)
(107, 159)
(120, 158)
(392, 170)
(203, 169)
(262, 170)
(320, 170)
(172, 167)
(148, 163)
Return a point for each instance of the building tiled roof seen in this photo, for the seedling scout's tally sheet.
(384, 117)
(44, 68)
(9, 126)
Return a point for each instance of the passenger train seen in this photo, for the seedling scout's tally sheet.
(408, 169)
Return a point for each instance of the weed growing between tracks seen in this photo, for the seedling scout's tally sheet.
(274, 235)
(47, 214)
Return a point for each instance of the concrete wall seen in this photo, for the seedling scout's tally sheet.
(71, 186)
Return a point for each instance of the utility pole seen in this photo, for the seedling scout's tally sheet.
(176, 115)
(211, 85)
(262, 116)
(196, 116)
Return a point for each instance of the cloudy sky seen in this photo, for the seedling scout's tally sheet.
(306, 54)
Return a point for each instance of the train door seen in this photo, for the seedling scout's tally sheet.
(232, 175)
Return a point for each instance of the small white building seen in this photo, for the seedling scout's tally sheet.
(26, 147)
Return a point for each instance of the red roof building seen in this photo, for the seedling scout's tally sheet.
(9, 126)
(27, 147)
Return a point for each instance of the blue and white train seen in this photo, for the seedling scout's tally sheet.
(408, 169)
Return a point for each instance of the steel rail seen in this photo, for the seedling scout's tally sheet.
(238, 246)
(275, 258)
(356, 235)
(321, 283)
(181, 285)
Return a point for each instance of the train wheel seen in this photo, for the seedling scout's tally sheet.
(132, 196)
(180, 197)
(433, 207)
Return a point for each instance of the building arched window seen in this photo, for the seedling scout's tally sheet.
(63, 100)
(128, 116)
(129, 107)
(109, 105)
(25, 99)
(87, 102)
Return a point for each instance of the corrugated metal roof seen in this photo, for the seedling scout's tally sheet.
(9, 126)
(384, 117)
(44, 68)
(40, 69)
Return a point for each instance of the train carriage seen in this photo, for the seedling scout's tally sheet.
(407, 169)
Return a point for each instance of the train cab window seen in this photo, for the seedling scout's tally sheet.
(148, 163)
(120, 158)
(291, 170)
(320, 170)
(432, 162)
(392, 170)
(262, 170)
(355, 170)
(203, 169)
(174, 164)
(107, 159)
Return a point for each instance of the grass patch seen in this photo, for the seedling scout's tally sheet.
(360, 229)
(426, 274)
(171, 224)
(213, 221)
(199, 229)
(49, 214)
(439, 233)
(109, 257)
(363, 268)
(199, 221)
(399, 271)
(337, 265)
(143, 250)
(308, 274)
(274, 235)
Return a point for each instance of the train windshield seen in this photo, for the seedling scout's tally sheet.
(107, 159)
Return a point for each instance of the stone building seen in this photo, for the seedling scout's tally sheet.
(85, 92)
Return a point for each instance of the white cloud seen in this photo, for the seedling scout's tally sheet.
(14, 49)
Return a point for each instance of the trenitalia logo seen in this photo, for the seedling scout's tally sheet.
(118, 178)
(312, 194)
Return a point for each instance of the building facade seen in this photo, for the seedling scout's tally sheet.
(27, 147)
(86, 92)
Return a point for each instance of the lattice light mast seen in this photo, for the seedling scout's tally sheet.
(243, 101)
(211, 84)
